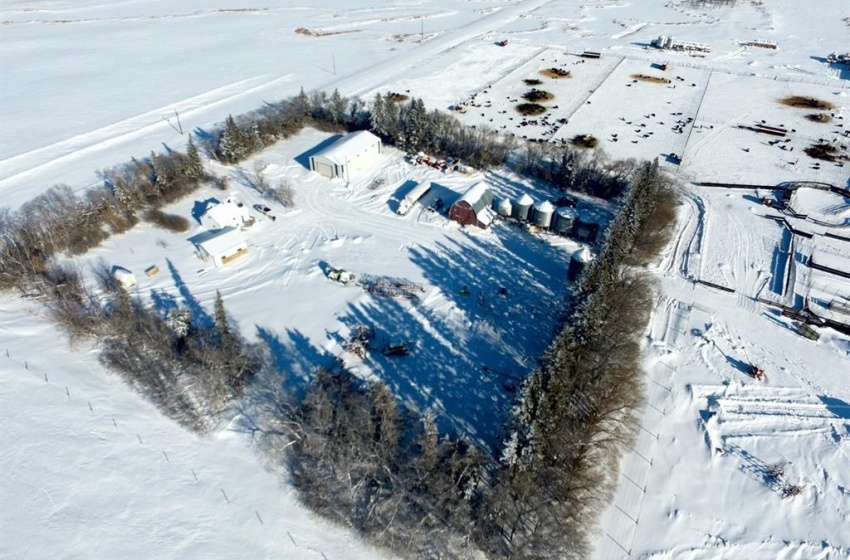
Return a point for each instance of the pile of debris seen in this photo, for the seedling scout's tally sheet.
(393, 288)
(359, 339)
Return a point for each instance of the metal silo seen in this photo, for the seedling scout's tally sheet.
(543, 214)
(505, 207)
(578, 262)
(564, 219)
(523, 207)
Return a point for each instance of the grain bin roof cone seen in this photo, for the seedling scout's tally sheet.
(543, 214)
(578, 262)
(523, 207)
(505, 207)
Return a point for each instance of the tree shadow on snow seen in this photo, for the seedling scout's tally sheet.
(490, 314)
(836, 406)
(199, 314)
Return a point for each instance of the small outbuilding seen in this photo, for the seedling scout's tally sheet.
(350, 155)
(228, 214)
(222, 246)
(124, 277)
(474, 207)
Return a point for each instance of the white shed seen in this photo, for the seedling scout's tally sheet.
(222, 246)
(124, 277)
(228, 214)
(350, 155)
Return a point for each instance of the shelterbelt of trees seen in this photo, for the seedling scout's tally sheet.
(355, 453)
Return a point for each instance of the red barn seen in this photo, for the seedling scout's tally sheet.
(474, 207)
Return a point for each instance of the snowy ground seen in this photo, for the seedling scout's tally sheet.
(89, 86)
(90, 469)
(717, 429)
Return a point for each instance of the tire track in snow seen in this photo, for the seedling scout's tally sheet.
(18, 167)
(372, 76)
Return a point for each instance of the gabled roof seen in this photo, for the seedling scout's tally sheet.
(348, 146)
(479, 196)
(228, 212)
(221, 241)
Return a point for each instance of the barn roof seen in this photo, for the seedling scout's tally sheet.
(348, 146)
(221, 241)
(480, 198)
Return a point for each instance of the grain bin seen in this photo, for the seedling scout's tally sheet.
(523, 207)
(578, 262)
(505, 207)
(564, 219)
(543, 214)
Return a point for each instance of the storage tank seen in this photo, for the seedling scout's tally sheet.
(543, 214)
(523, 207)
(668, 44)
(564, 219)
(660, 41)
(505, 207)
(578, 262)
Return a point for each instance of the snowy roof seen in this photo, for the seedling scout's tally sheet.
(566, 212)
(478, 196)
(525, 200)
(583, 255)
(222, 241)
(545, 206)
(228, 212)
(348, 146)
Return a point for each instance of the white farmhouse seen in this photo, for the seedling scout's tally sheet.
(228, 214)
(350, 155)
(222, 246)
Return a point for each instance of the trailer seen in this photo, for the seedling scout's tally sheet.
(412, 197)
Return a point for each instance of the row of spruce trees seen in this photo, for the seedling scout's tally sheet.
(356, 454)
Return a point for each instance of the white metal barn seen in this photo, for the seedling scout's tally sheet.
(223, 246)
(230, 213)
(348, 156)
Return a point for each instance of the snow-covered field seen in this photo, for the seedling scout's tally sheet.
(90, 470)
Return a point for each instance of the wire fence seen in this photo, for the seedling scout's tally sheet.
(64, 390)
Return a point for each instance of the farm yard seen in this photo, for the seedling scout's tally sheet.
(755, 127)
(494, 293)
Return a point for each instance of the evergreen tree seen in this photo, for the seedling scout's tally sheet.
(194, 165)
(338, 106)
(233, 145)
(255, 141)
(378, 116)
(161, 179)
(226, 337)
(302, 104)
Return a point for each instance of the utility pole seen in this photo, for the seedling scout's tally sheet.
(421, 30)
(333, 60)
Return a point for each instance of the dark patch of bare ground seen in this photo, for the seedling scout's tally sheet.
(802, 102)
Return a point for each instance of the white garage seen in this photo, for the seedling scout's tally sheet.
(221, 246)
(350, 155)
